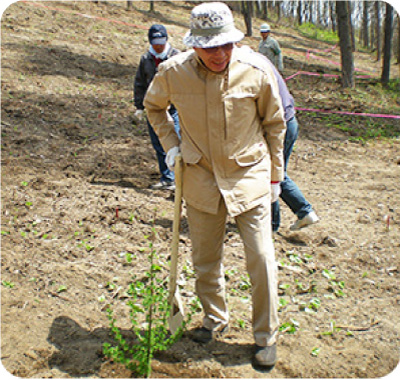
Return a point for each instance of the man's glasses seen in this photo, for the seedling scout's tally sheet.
(213, 50)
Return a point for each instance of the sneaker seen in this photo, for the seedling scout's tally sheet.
(203, 335)
(265, 356)
(308, 220)
(163, 185)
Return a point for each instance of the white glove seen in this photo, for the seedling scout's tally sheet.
(140, 114)
(275, 191)
(170, 159)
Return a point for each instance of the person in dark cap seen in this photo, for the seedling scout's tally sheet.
(159, 51)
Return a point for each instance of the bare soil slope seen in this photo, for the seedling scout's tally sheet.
(76, 204)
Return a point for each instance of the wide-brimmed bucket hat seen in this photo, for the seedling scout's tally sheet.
(211, 24)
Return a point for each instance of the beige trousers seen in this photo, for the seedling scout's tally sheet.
(207, 232)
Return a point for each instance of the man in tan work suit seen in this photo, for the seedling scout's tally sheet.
(232, 131)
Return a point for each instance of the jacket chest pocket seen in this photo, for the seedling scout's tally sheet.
(238, 103)
(240, 110)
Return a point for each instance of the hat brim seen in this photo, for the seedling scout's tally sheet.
(212, 40)
(159, 41)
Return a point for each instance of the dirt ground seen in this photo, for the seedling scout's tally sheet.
(76, 204)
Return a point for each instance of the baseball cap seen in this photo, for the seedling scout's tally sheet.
(158, 35)
(264, 28)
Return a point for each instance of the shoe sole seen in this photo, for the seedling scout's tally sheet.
(262, 368)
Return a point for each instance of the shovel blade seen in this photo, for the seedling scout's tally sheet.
(176, 316)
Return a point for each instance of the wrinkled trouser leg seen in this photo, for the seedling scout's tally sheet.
(207, 233)
(255, 230)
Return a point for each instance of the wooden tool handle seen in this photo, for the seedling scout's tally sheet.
(176, 226)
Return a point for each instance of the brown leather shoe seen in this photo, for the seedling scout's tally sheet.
(265, 356)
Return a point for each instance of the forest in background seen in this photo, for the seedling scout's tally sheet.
(370, 26)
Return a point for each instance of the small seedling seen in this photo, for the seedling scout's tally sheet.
(129, 256)
(289, 327)
(282, 303)
(230, 273)
(337, 288)
(244, 283)
(86, 245)
(284, 287)
(149, 311)
(312, 306)
(328, 274)
(333, 329)
(188, 271)
(294, 258)
(8, 284)
(299, 285)
(315, 351)
(315, 304)
(61, 288)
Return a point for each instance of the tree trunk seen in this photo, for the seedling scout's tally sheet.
(279, 10)
(365, 20)
(247, 10)
(398, 38)
(258, 9)
(350, 7)
(346, 52)
(264, 10)
(300, 13)
(387, 48)
(312, 15)
(234, 5)
(332, 15)
(378, 31)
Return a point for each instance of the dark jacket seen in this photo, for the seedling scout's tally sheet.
(145, 74)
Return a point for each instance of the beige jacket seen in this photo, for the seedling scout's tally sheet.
(232, 128)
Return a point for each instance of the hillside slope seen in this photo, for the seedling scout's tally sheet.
(76, 206)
